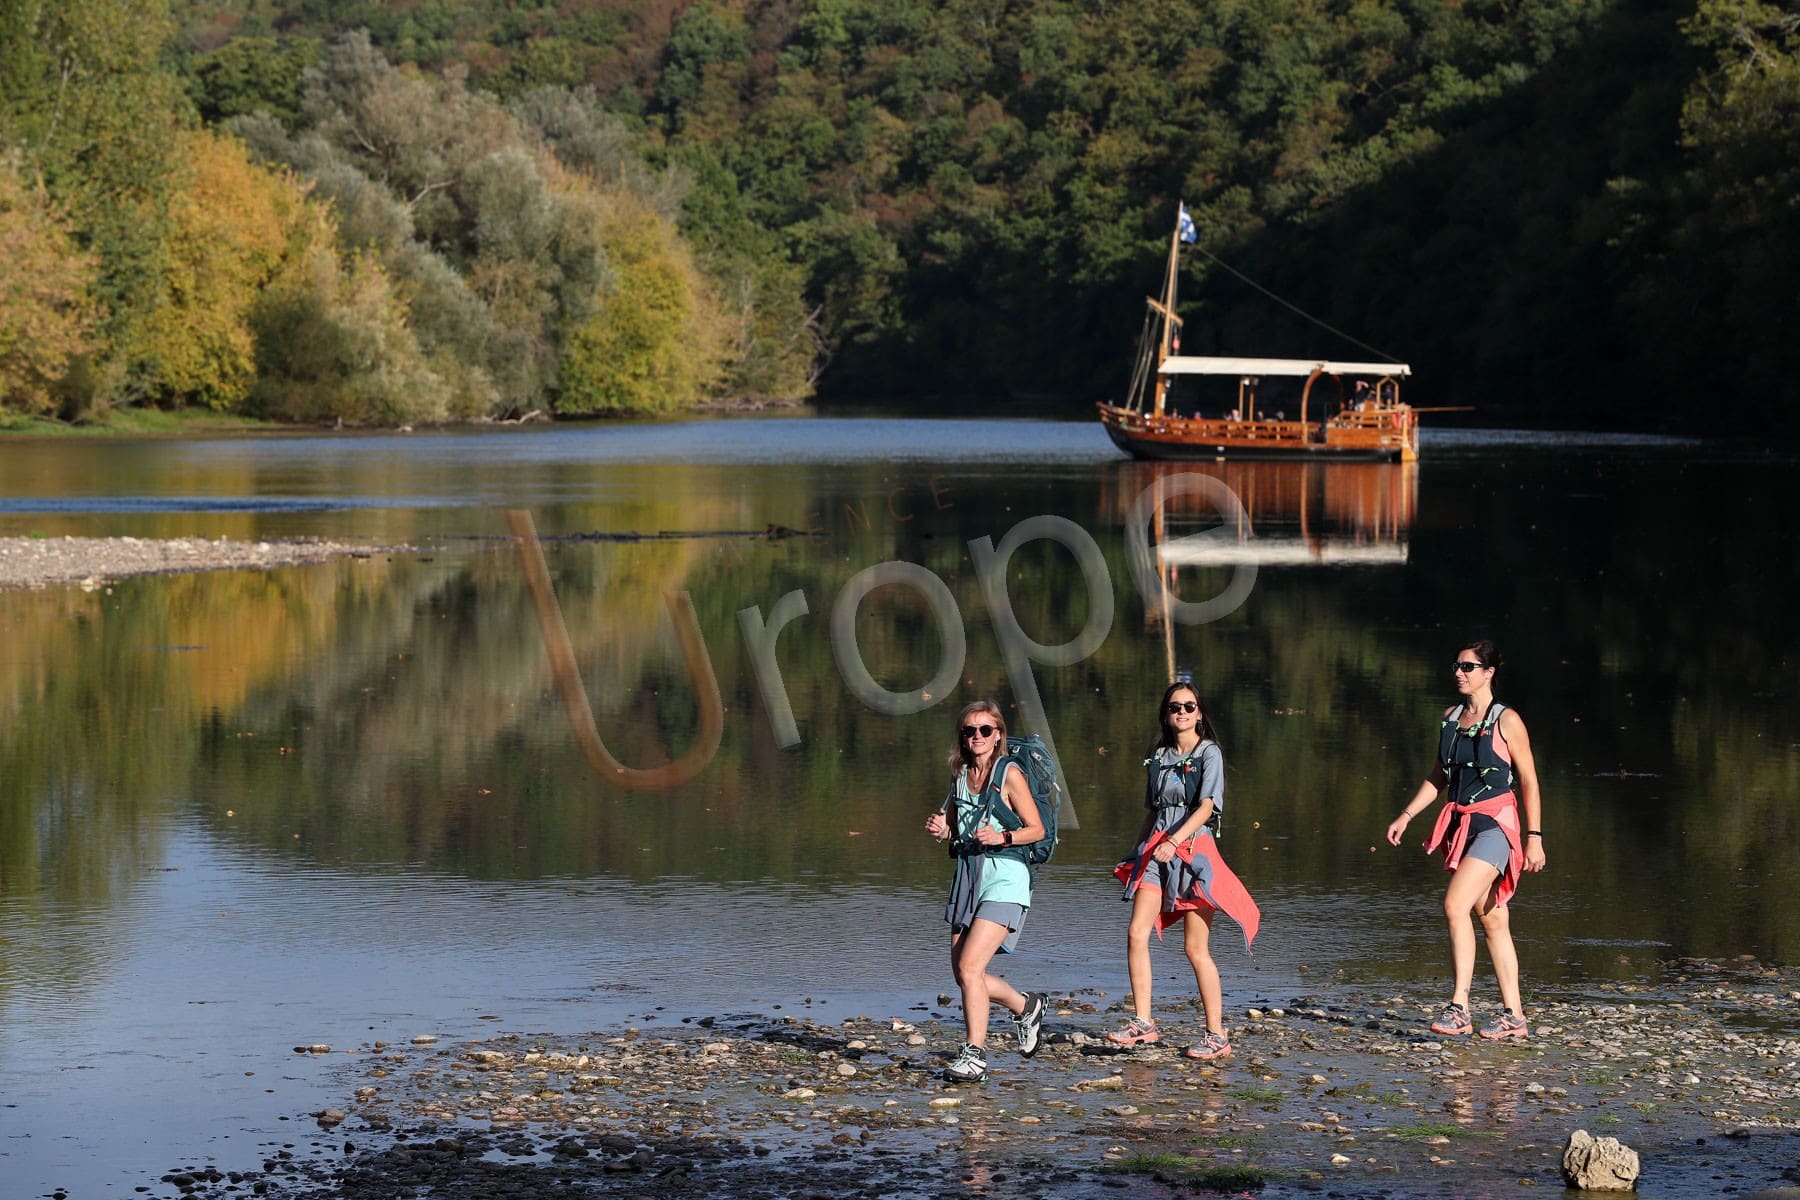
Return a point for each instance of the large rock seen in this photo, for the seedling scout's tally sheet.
(1599, 1164)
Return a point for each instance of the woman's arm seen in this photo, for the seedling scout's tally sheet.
(1195, 822)
(1428, 791)
(938, 823)
(1512, 728)
(1018, 797)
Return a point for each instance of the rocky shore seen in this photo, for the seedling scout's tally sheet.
(1341, 1092)
(31, 562)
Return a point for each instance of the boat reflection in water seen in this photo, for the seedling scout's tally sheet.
(1288, 514)
(1293, 514)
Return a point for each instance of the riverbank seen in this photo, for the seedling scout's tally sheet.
(1343, 1091)
(32, 562)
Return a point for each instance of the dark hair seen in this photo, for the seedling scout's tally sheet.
(1485, 651)
(1165, 737)
(960, 757)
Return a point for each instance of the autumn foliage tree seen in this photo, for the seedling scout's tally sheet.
(653, 339)
(47, 314)
(229, 232)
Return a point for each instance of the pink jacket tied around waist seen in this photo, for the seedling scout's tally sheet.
(1220, 888)
(1504, 808)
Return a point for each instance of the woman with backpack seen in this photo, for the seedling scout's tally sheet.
(991, 893)
(1176, 873)
(1486, 774)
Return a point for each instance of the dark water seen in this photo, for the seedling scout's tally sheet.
(243, 812)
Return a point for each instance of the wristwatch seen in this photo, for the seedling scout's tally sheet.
(1007, 837)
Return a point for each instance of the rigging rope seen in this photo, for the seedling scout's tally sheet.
(1294, 308)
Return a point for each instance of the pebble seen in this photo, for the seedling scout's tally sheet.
(89, 563)
(663, 1092)
(1111, 1083)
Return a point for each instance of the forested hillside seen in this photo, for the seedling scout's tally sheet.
(1586, 213)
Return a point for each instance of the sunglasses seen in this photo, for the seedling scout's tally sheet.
(1464, 668)
(973, 731)
(1181, 706)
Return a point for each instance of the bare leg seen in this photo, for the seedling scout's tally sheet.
(1197, 929)
(1146, 903)
(970, 953)
(1473, 880)
(1496, 923)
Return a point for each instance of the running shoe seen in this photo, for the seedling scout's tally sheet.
(1508, 1024)
(1030, 1023)
(1136, 1030)
(1453, 1021)
(969, 1066)
(1215, 1045)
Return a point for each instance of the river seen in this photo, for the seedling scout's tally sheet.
(242, 812)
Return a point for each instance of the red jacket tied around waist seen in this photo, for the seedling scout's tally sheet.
(1504, 808)
(1220, 888)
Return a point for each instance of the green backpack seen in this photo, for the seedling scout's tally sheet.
(1033, 757)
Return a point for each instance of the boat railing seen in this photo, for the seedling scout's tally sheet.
(1376, 416)
(1202, 428)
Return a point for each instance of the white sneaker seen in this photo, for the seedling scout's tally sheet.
(969, 1066)
(1030, 1023)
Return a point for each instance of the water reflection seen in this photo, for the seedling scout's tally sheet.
(355, 789)
(1291, 514)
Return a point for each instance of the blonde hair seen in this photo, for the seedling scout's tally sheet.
(960, 757)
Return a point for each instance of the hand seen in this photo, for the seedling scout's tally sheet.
(1398, 828)
(990, 837)
(1534, 854)
(937, 826)
(1164, 852)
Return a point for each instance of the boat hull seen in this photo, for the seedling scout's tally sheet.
(1390, 435)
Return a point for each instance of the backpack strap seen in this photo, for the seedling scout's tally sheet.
(995, 794)
(994, 803)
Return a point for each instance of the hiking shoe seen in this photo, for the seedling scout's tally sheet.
(1136, 1030)
(969, 1065)
(1030, 1023)
(1215, 1045)
(1508, 1024)
(1453, 1021)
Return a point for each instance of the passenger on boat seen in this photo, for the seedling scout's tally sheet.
(1175, 872)
(990, 893)
(1486, 773)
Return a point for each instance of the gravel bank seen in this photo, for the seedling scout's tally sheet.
(1340, 1093)
(91, 562)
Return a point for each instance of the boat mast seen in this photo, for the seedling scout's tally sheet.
(1165, 346)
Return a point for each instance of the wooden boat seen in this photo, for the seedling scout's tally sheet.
(1343, 410)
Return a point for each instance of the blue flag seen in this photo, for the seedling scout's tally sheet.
(1184, 227)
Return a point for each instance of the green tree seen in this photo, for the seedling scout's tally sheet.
(251, 75)
(99, 112)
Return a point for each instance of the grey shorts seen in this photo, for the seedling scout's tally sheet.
(1012, 916)
(1487, 843)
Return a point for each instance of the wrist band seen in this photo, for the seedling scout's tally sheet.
(1536, 833)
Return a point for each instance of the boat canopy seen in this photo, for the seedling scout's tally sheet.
(1186, 365)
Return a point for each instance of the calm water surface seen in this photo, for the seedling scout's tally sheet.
(243, 812)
